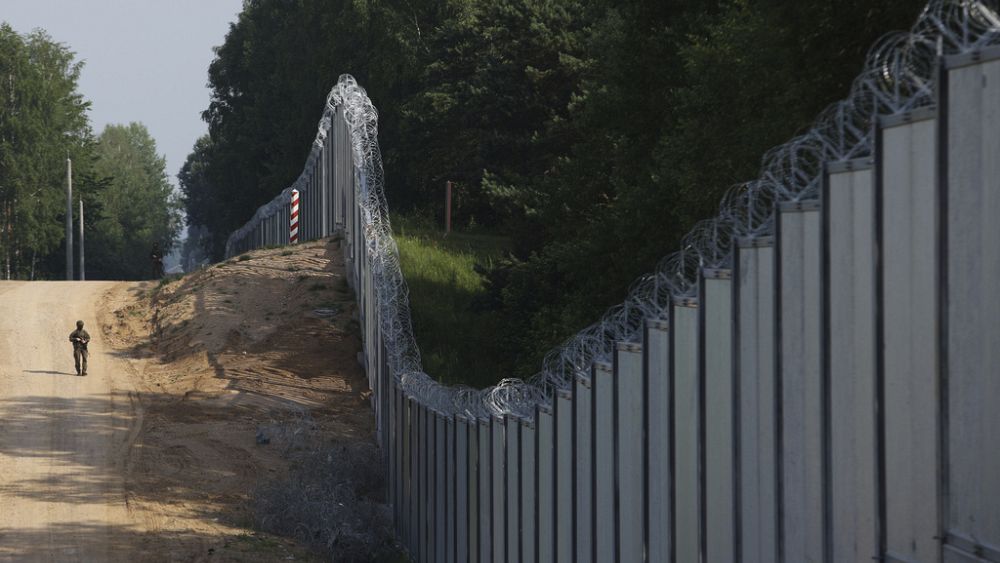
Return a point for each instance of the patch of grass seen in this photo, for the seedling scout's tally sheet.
(244, 258)
(457, 343)
(286, 252)
(169, 279)
(258, 540)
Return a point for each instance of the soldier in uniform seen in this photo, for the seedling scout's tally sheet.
(80, 339)
(156, 257)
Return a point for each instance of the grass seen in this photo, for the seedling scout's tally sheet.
(457, 343)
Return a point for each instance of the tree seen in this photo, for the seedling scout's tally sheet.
(500, 82)
(682, 102)
(42, 122)
(595, 133)
(139, 208)
(271, 76)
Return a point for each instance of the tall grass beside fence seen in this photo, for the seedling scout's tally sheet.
(458, 341)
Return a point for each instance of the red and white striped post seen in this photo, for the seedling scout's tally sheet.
(293, 234)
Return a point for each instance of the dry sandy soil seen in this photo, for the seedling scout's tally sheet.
(155, 454)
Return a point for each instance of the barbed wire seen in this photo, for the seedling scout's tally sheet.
(898, 76)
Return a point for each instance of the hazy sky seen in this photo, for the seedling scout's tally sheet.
(145, 60)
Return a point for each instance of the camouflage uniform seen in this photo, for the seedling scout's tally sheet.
(80, 338)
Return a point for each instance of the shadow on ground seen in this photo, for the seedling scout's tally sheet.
(88, 477)
(97, 542)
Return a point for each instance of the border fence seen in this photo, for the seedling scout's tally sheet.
(813, 376)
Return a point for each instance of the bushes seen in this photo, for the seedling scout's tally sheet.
(333, 497)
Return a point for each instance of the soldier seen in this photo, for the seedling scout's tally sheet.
(156, 257)
(80, 339)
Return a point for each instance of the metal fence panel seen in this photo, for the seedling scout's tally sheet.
(498, 496)
(801, 408)
(715, 352)
(583, 504)
(604, 463)
(414, 479)
(463, 455)
(512, 466)
(440, 488)
(564, 476)
(910, 339)
(451, 485)
(972, 318)
(757, 460)
(629, 467)
(485, 481)
(406, 457)
(849, 209)
(529, 490)
(834, 397)
(395, 458)
(687, 481)
(426, 484)
(545, 532)
(475, 512)
(658, 408)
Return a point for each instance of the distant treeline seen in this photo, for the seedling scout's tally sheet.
(118, 174)
(594, 133)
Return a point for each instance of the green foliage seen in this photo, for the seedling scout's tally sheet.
(499, 81)
(593, 134)
(118, 177)
(138, 208)
(666, 140)
(269, 79)
(42, 122)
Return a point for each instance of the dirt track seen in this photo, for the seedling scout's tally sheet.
(64, 439)
(154, 455)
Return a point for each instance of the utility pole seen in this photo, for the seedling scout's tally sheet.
(69, 219)
(82, 275)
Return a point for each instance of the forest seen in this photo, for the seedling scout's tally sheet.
(590, 134)
(118, 175)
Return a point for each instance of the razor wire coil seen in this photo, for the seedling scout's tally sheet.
(898, 76)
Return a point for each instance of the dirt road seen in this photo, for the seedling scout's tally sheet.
(202, 393)
(63, 439)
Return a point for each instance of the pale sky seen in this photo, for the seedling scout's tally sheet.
(145, 60)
